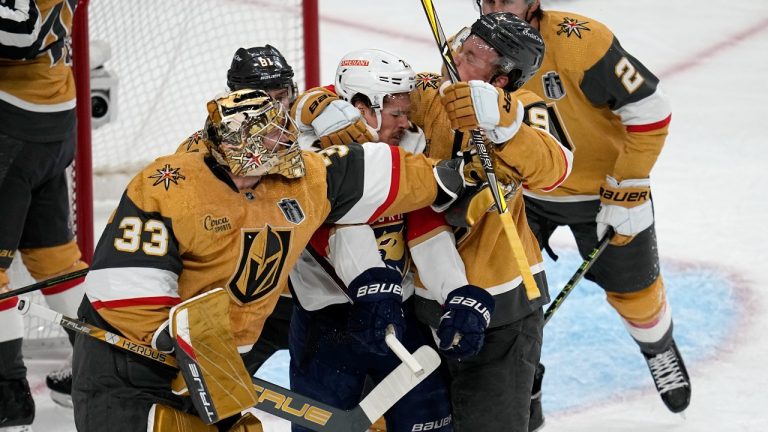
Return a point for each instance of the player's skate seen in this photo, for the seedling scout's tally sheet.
(17, 408)
(536, 419)
(60, 384)
(670, 377)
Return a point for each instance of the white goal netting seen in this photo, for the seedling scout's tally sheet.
(168, 58)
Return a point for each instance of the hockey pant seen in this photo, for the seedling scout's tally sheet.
(629, 274)
(491, 392)
(327, 364)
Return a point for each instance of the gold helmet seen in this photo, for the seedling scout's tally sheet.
(251, 134)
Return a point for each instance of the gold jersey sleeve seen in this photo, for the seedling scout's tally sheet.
(610, 105)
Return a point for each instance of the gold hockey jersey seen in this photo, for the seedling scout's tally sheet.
(539, 160)
(610, 105)
(182, 228)
(37, 87)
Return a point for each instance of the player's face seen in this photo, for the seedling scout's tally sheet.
(394, 118)
(476, 60)
(517, 7)
(283, 95)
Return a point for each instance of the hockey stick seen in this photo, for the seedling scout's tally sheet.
(273, 398)
(531, 289)
(401, 352)
(48, 283)
(579, 275)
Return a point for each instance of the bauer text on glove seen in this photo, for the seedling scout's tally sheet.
(462, 327)
(626, 206)
(377, 296)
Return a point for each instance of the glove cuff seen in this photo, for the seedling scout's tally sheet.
(375, 284)
(627, 193)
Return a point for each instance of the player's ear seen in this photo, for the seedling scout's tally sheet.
(532, 10)
(500, 81)
(362, 107)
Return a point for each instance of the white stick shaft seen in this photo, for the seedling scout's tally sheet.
(26, 306)
(402, 353)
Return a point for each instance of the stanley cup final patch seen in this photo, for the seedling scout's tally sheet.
(291, 210)
(553, 85)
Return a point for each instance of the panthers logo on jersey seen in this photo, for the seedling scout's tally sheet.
(261, 263)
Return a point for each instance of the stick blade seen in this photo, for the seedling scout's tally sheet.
(399, 382)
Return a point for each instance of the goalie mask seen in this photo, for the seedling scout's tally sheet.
(252, 135)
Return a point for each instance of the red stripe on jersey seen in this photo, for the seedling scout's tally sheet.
(319, 240)
(651, 126)
(140, 301)
(9, 303)
(422, 221)
(394, 184)
(331, 88)
(60, 288)
(186, 348)
(562, 177)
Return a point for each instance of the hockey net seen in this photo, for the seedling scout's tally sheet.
(152, 66)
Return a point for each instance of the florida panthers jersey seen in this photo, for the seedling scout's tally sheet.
(539, 160)
(611, 105)
(182, 228)
(37, 87)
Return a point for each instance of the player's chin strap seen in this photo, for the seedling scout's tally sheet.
(272, 398)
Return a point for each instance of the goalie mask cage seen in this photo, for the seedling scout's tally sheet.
(157, 63)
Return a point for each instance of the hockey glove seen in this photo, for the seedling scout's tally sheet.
(334, 121)
(626, 206)
(451, 183)
(474, 104)
(378, 298)
(462, 327)
(474, 172)
(474, 204)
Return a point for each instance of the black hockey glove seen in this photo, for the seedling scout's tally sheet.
(462, 327)
(378, 298)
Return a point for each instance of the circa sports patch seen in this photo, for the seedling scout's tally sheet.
(553, 85)
(167, 175)
(571, 26)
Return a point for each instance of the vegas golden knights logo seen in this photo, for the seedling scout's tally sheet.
(261, 263)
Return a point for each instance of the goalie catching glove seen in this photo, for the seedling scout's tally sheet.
(333, 120)
(474, 104)
(626, 206)
(378, 297)
(462, 327)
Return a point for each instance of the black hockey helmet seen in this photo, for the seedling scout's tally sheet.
(520, 46)
(260, 68)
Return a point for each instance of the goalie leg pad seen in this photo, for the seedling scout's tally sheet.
(218, 382)
(247, 423)
(166, 419)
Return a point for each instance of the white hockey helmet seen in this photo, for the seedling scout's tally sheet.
(374, 73)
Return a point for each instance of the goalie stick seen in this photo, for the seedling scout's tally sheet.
(48, 283)
(531, 289)
(579, 275)
(273, 398)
